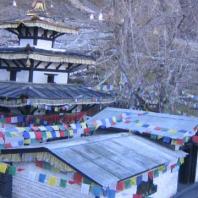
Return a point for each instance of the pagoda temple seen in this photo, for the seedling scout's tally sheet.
(35, 74)
(36, 59)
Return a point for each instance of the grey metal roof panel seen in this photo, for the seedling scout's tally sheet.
(116, 158)
(107, 159)
(183, 124)
(57, 93)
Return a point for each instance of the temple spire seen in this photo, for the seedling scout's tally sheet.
(38, 8)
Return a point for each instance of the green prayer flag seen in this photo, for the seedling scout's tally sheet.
(127, 184)
(156, 173)
(12, 170)
(86, 181)
(44, 136)
(63, 183)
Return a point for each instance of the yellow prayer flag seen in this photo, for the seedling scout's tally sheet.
(3, 167)
(133, 181)
(161, 168)
(49, 135)
(27, 141)
(52, 181)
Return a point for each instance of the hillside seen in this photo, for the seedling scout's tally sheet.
(146, 49)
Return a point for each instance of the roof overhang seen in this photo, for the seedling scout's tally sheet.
(14, 94)
(41, 22)
(44, 55)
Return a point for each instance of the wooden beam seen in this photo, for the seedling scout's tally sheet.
(60, 34)
(72, 69)
(35, 35)
(15, 62)
(37, 69)
(31, 71)
(58, 67)
(12, 31)
(3, 60)
(47, 66)
(22, 63)
(37, 65)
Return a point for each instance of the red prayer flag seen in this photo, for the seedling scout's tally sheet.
(62, 134)
(137, 196)
(180, 142)
(78, 178)
(120, 186)
(39, 164)
(8, 145)
(195, 139)
(8, 120)
(38, 135)
(87, 131)
(150, 174)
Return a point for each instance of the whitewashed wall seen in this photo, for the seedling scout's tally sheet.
(43, 44)
(4, 75)
(25, 42)
(22, 76)
(25, 185)
(196, 178)
(40, 77)
(166, 187)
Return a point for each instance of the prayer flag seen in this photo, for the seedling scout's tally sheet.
(78, 178)
(120, 186)
(63, 183)
(111, 193)
(85, 189)
(139, 180)
(12, 170)
(42, 178)
(52, 181)
(127, 183)
(133, 181)
(96, 191)
(137, 196)
(3, 167)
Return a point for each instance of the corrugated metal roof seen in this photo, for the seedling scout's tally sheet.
(183, 125)
(110, 158)
(107, 159)
(51, 94)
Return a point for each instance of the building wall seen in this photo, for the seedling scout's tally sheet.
(26, 185)
(166, 187)
(39, 77)
(4, 75)
(196, 178)
(43, 44)
(22, 76)
(25, 42)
